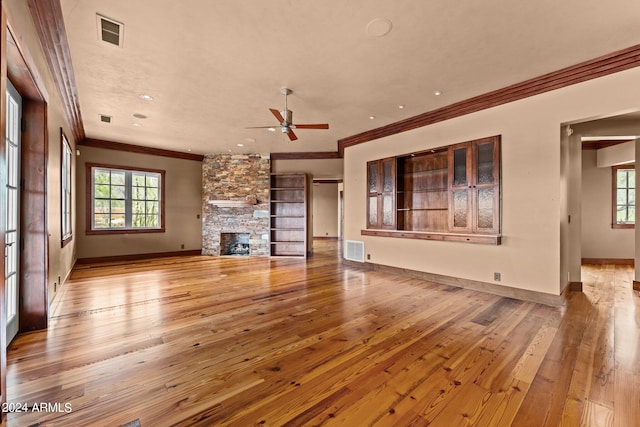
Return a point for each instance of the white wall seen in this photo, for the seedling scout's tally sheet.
(529, 257)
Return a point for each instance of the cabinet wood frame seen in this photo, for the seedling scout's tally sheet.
(472, 231)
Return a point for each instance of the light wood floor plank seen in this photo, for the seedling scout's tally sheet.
(202, 341)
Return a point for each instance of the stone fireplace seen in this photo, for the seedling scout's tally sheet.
(235, 200)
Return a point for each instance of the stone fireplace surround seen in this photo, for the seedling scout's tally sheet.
(235, 177)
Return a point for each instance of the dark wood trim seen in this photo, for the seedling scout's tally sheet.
(49, 23)
(487, 239)
(608, 261)
(136, 257)
(614, 197)
(602, 66)
(89, 204)
(64, 142)
(636, 285)
(306, 155)
(575, 286)
(3, 186)
(327, 181)
(325, 238)
(34, 259)
(139, 149)
(596, 145)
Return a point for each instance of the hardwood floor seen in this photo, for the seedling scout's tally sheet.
(257, 341)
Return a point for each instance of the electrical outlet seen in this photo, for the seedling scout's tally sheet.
(368, 256)
(496, 276)
(182, 246)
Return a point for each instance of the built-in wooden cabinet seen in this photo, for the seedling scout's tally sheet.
(288, 215)
(448, 193)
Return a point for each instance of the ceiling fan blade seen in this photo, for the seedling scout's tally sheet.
(261, 127)
(292, 136)
(312, 126)
(277, 115)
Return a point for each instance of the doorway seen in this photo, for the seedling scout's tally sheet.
(12, 203)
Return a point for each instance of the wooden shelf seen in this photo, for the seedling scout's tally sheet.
(421, 209)
(288, 212)
(423, 190)
(487, 239)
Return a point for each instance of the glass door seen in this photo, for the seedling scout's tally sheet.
(12, 203)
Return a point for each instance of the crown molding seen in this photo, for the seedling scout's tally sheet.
(139, 149)
(49, 22)
(602, 66)
(306, 155)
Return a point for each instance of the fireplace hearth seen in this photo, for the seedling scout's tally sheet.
(234, 244)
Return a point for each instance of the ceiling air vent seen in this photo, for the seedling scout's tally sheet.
(110, 31)
(106, 119)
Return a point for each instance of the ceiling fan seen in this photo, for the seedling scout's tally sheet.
(285, 118)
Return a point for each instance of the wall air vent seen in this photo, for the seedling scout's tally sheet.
(110, 31)
(354, 251)
(105, 119)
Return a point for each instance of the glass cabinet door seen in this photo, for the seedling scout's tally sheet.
(460, 187)
(485, 186)
(381, 177)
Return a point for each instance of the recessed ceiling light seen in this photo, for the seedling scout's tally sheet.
(437, 93)
(240, 145)
(378, 27)
(146, 97)
(139, 116)
(401, 106)
(271, 129)
(137, 125)
(372, 117)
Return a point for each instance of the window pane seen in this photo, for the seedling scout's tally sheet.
(138, 193)
(152, 207)
(152, 194)
(101, 206)
(117, 221)
(387, 176)
(138, 179)
(621, 196)
(387, 210)
(117, 192)
(373, 210)
(152, 181)
(631, 196)
(117, 178)
(102, 191)
(152, 221)
(101, 221)
(631, 214)
(101, 177)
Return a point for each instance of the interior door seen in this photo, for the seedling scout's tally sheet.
(12, 233)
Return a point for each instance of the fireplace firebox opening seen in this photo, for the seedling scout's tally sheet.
(234, 244)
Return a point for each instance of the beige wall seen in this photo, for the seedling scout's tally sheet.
(325, 210)
(320, 168)
(599, 240)
(532, 213)
(60, 259)
(183, 205)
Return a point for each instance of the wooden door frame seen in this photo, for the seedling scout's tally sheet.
(17, 66)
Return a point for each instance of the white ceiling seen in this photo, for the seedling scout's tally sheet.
(215, 67)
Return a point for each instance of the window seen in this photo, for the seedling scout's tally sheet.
(624, 196)
(65, 190)
(124, 200)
